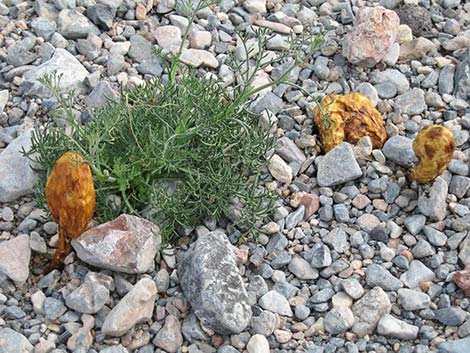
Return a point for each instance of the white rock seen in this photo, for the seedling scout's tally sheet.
(258, 344)
(37, 299)
(392, 327)
(280, 170)
(4, 96)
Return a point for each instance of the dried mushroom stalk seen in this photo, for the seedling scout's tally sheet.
(434, 147)
(71, 197)
(350, 117)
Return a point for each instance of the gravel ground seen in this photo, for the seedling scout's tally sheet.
(357, 258)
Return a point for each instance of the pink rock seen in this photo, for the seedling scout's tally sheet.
(311, 202)
(126, 244)
(375, 31)
(462, 280)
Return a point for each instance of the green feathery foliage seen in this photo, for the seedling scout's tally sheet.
(174, 151)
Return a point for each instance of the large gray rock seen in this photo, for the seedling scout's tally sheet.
(455, 346)
(63, 63)
(462, 78)
(212, 284)
(411, 102)
(91, 295)
(73, 25)
(126, 244)
(15, 255)
(368, 311)
(16, 176)
(12, 341)
(136, 306)
(338, 166)
(432, 201)
(101, 95)
(399, 150)
(377, 275)
(417, 273)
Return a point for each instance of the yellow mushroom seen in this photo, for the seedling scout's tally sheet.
(434, 147)
(71, 198)
(349, 118)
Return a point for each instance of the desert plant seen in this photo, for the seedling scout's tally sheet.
(175, 150)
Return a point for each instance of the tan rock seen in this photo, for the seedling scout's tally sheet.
(169, 337)
(136, 306)
(375, 31)
(416, 48)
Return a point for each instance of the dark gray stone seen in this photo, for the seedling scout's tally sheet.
(101, 15)
(212, 284)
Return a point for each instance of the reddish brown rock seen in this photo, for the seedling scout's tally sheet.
(462, 280)
(311, 202)
(126, 244)
(375, 30)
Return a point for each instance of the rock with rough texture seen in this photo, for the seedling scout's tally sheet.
(392, 327)
(169, 337)
(432, 202)
(15, 255)
(411, 102)
(338, 320)
(126, 244)
(413, 300)
(73, 25)
(377, 275)
(89, 297)
(415, 49)
(417, 273)
(82, 338)
(399, 150)
(136, 306)
(462, 78)
(368, 311)
(16, 176)
(101, 95)
(72, 72)
(338, 166)
(302, 269)
(12, 341)
(212, 284)
(375, 31)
